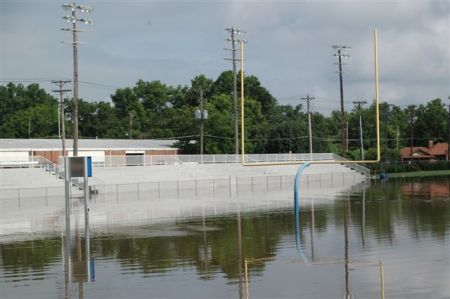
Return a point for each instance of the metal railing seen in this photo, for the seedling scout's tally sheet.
(359, 168)
(206, 189)
(141, 160)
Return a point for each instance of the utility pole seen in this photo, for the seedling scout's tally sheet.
(308, 100)
(233, 40)
(201, 123)
(448, 141)
(130, 124)
(61, 91)
(412, 119)
(73, 7)
(29, 126)
(339, 49)
(361, 142)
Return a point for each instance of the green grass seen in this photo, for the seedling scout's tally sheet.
(416, 174)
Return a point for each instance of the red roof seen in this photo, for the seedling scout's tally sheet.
(439, 149)
(421, 152)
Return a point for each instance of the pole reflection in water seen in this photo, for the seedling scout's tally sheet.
(363, 216)
(76, 269)
(312, 229)
(239, 231)
(346, 212)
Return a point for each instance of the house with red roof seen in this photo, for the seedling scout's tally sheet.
(433, 152)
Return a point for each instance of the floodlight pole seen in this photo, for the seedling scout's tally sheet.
(74, 19)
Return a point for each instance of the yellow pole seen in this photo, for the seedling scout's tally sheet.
(377, 120)
(377, 100)
(382, 279)
(247, 292)
(242, 104)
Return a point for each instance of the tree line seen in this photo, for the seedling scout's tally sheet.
(154, 110)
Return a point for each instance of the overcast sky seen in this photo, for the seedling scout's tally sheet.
(289, 46)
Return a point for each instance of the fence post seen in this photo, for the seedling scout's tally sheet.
(117, 192)
(138, 191)
(178, 189)
(46, 193)
(229, 184)
(343, 178)
(281, 183)
(214, 187)
(196, 188)
(267, 183)
(252, 184)
(159, 190)
(237, 191)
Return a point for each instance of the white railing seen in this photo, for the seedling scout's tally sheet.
(136, 160)
(19, 198)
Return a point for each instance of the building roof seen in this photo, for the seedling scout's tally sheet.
(421, 152)
(91, 144)
(439, 149)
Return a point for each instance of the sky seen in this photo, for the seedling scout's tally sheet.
(289, 46)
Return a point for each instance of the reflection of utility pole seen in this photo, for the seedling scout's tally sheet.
(346, 210)
(61, 91)
(361, 142)
(363, 220)
(308, 99)
(74, 19)
(312, 230)
(233, 31)
(340, 55)
(239, 231)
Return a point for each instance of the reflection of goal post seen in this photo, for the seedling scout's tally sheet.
(355, 264)
(377, 121)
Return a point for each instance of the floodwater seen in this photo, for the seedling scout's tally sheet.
(390, 240)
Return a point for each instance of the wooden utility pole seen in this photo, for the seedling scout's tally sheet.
(61, 91)
(233, 40)
(308, 99)
(448, 140)
(202, 117)
(340, 55)
(361, 142)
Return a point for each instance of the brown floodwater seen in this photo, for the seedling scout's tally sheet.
(390, 239)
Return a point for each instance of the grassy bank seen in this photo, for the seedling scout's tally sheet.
(416, 174)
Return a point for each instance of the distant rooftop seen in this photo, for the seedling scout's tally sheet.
(50, 144)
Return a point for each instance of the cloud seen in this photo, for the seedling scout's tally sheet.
(289, 45)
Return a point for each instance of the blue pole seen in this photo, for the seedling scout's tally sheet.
(297, 211)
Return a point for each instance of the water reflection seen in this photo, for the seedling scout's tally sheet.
(377, 223)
